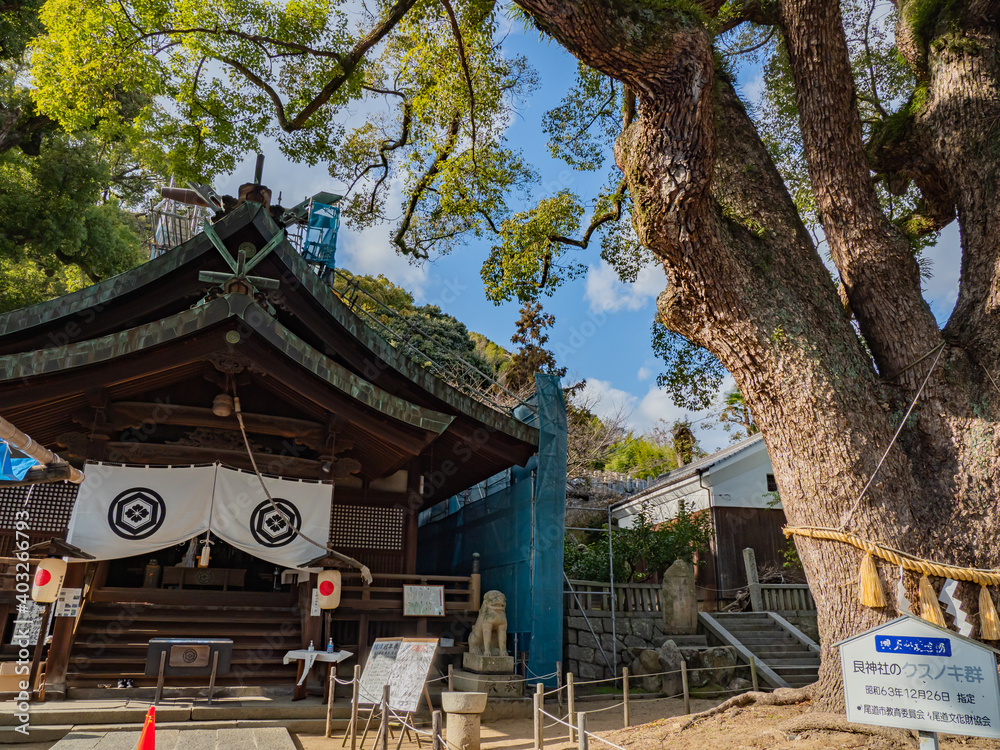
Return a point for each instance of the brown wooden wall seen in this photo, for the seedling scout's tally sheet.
(736, 529)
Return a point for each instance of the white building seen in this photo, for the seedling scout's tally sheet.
(736, 487)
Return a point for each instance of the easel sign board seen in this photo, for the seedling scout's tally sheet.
(409, 673)
(377, 669)
(911, 674)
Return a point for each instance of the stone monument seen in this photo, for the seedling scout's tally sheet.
(678, 599)
(487, 668)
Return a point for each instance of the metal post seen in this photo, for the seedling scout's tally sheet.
(539, 731)
(451, 677)
(928, 740)
(384, 729)
(559, 684)
(436, 731)
(570, 705)
(684, 686)
(159, 678)
(211, 681)
(753, 673)
(614, 600)
(581, 729)
(628, 712)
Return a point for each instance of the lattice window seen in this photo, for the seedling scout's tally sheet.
(363, 527)
(49, 505)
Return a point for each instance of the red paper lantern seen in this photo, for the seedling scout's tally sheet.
(329, 589)
(48, 579)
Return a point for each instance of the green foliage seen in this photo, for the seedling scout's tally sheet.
(59, 233)
(642, 457)
(736, 418)
(528, 261)
(432, 332)
(583, 127)
(693, 375)
(642, 550)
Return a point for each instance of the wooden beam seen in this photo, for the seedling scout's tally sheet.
(129, 414)
(302, 468)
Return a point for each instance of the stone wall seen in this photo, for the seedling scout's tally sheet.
(639, 631)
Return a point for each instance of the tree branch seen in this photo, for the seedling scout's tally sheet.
(465, 69)
(596, 221)
(422, 185)
(876, 264)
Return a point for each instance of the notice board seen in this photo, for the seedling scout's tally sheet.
(377, 669)
(403, 664)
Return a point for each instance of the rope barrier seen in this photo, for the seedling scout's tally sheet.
(589, 734)
(897, 557)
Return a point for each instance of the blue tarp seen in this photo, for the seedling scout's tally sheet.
(13, 469)
(518, 532)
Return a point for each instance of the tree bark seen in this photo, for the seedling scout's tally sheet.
(745, 281)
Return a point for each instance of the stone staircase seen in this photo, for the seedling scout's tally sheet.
(112, 639)
(783, 655)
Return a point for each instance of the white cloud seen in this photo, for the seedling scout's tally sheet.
(606, 293)
(645, 373)
(605, 400)
(371, 252)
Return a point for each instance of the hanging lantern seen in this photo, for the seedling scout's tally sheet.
(329, 589)
(48, 580)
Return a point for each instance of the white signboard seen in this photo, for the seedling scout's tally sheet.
(68, 603)
(914, 675)
(423, 601)
(401, 663)
(409, 673)
(377, 669)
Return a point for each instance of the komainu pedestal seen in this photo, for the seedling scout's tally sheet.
(487, 667)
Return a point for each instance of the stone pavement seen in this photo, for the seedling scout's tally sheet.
(270, 738)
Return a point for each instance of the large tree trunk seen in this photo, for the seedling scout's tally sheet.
(746, 282)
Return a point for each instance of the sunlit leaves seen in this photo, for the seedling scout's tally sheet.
(528, 261)
(582, 128)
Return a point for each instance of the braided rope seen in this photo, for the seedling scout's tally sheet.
(896, 557)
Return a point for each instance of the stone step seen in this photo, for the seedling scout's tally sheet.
(782, 651)
(793, 663)
(764, 639)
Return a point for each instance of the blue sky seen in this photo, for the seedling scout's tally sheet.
(602, 330)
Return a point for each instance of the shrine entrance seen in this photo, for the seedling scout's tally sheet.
(229, 569)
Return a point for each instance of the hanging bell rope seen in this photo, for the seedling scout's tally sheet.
(909, 562)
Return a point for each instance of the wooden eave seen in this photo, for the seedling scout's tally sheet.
(387, 430)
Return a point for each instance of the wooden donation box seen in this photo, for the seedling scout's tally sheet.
(188, 657)
(224, 577)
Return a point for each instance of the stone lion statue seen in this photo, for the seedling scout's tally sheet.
(489, 634)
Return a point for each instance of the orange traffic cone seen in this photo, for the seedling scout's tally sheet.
(147, 740)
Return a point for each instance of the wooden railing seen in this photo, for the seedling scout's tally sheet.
(595, 596)
(385, 594)
(786, 597)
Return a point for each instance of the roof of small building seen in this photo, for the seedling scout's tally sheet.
(693, 469)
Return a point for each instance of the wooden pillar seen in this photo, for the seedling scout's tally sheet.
(311, 626)
(62, 640)
(413, 499)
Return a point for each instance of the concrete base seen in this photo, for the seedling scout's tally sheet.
(494, 685)
(488, 664)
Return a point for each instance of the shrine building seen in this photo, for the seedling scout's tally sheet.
(141, 381)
